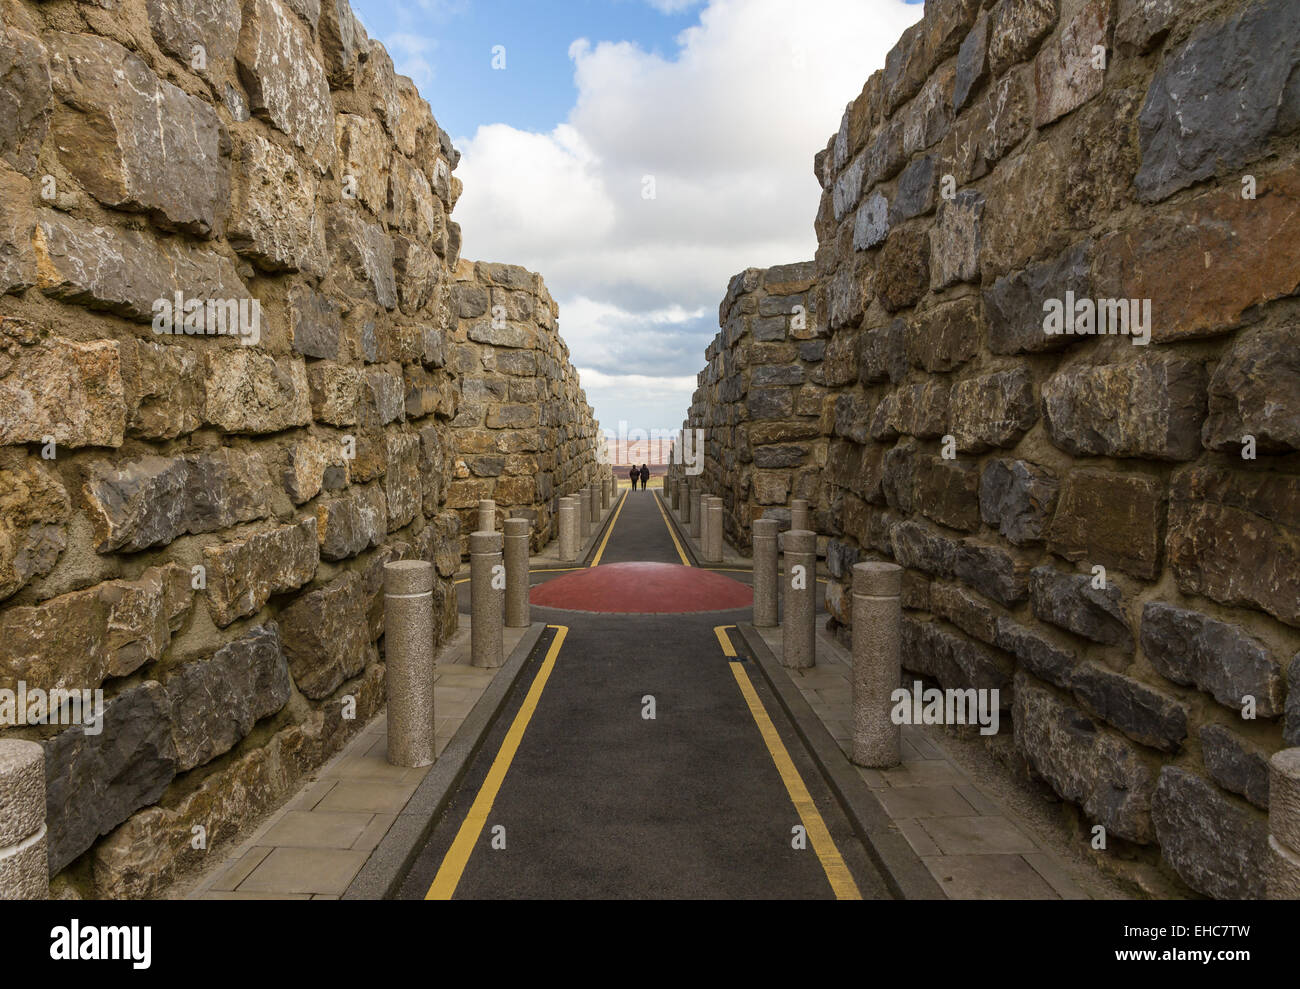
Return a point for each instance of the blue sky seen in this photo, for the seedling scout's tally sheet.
(446, 46)
(720, 105)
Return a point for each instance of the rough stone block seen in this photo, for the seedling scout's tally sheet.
(1215, 102)
(1018, 498)
(78, 640)
(1235, 537)
(1255, 391)
(1163, 253)
(34, 508)
(352, 523)
(1112, 519)
(214, 703)
(286, 83)
(1149, 408)
(1066, 72)
(95, 782)
(1013, 305)
(955, 240)
(252, 393)
(273, 217)
(1216, 847)
(1072, 602)
(993, 410)
(134, 141)
(326, 637)
(151, 501)
(1143, 714)
(245, 573)
(1224, 660)
(55, 387)
(1236, 764)
(1084, 762)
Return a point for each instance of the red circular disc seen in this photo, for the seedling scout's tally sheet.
(644, 589)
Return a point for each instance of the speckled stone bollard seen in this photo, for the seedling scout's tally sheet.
(685, 513)
(24, 859)
(486, 602)
(593, 504)
(697, 511)
(674, 494)
(568, 530)
(798, 628)
(799, 518)
(713, 543)
(606, 495)
(765, 580)
(487, 515)
(518, 613)
(409, 662)
(584, 515)
(1283, 879)
(877, 666)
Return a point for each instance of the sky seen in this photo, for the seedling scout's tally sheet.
(638, 153)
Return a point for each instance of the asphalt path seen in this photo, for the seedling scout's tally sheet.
(637, 759)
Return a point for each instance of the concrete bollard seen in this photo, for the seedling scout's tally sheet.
(606, 495)
(685, 498)
(487, 515)
(713, 542)
(799, 518)
(704, 523)
(1283, 879)
(24, 855)
(409, 662)
(765, 581)
(697, 511)
(593, 504)
(798, 628)
(568, 530)
(584, 516)
(877, 667)
(674, 494)
(486, 602)
(518, 612)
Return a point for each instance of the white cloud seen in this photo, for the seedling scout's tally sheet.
(727, 129)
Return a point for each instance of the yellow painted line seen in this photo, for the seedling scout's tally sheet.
(609, 532)
(672, 532)
(837, 873)
(457, 857)
(725, 640)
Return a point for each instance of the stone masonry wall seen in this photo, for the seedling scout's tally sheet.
(524, 434)
(761, 400)
(197, 523)
(1108, 533)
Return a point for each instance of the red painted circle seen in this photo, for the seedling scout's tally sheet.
(644, 589)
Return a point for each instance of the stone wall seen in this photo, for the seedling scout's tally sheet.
(761, 401)
(524, 434)
(1106, 532)
(197, 523)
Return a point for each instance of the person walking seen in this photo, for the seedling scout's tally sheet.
(645, 475)
(634, 473)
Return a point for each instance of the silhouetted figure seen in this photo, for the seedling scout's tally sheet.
(634, 473)
(645, 475)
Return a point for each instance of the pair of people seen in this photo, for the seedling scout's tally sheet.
(642, 473)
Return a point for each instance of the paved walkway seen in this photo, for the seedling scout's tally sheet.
(972, 846)
(643, 760)
(637, 755)
(314, 846)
